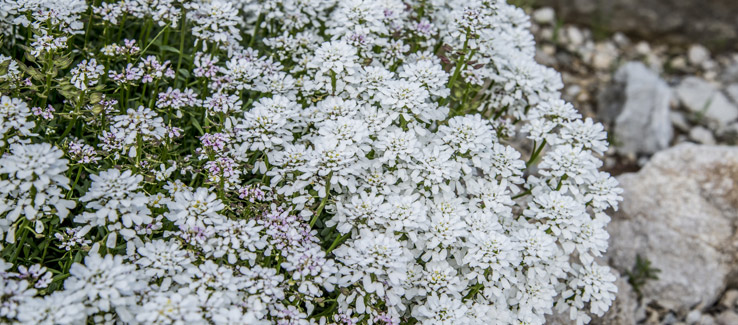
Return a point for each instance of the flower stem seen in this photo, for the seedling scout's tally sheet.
(323, 202)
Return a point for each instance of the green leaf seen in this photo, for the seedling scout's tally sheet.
(63, 62)
(197, 125)
(30, 57)
(78, 257)
(183, 72)
(168, 48)
(95, 98)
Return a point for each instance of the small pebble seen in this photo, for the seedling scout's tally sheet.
(545, 15)
(703, 136)
(727, 317)
(698, 54)
(729, 299)
(693, 317)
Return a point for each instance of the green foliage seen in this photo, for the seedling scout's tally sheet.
(640, 274)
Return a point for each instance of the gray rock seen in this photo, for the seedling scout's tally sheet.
(621, 40)
(730, 73)
(732, 91)
(680, 212)
(706, 320)
(574, 35)
(683, 21)
(544, 15)
(702, 135)
(679, 121)
(698, 55)
(729, 299)
(669, 319)
(704, 98)
(643, 48)
(678, 63)
(604, 55)
(727, 317)
(640, 100)
(693, 317)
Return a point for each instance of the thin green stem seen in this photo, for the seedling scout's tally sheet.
(561, 181)
(536, 153)
(122, 24)
(182, 37)
(521, 194)
(89, 25)
(20, 232)
(324, 201)
(76, 179)
(256, 29)
(338, 240)
(333, 82)
(457, 71)
(150, 42)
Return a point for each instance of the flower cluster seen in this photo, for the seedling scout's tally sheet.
(293, 162)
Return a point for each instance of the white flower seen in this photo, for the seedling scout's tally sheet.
(492, 250)
(333, 108)
(585, 133)
(444, 230)
(573, 162)
(362, 210)
(467, 134)
(564, 214)
(33, 188)
(14, 294)
(338, 160)
(433, 168)
(346, 130)
(217, 22)
(243, 72)
(599, 289)
(336, 57)
(429, 74)
(441, 310)
(159, 258)
(171, 308)
(537, 246)
(197, 208)
(603, 191)
(37, 165)
(103, 283)
(375, 253)
(335, 64)
(407, 98)
(375, 160)
(221, 103)
(86, 74)
(312, 269)
(371, 81)
(139, 122)
(592, 285)
(61, 307)
(264, 129)
(534, 298)
(236, 240)
(14, 115)
(396, 144)
(117, 202)
(440, 277)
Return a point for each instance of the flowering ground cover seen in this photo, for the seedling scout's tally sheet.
(292, 162)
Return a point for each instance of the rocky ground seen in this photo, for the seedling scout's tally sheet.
(672, 115)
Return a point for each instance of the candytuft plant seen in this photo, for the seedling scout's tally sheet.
(292, 162)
